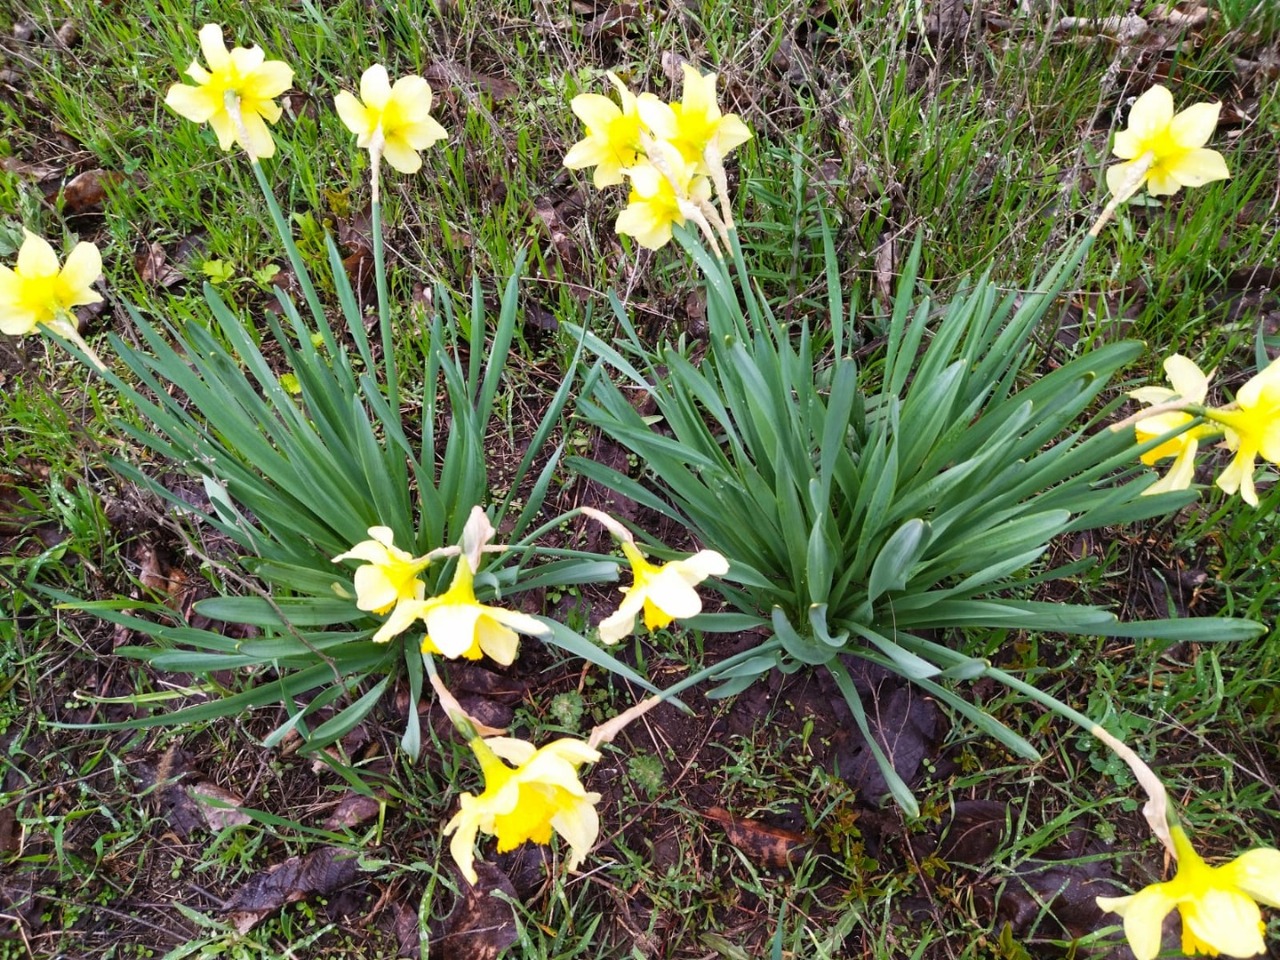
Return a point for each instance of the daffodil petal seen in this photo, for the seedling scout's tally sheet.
(271, 79)
(1197, 167)
(511, 749)
(82, 270)
(1144, 915)
(213, 48)
(401, 156)
(261, 144)
(452, 627)
(1225, 920)
(594, 110)
(673, 595)
(351, 112)
(1188, 380)
(36, 257)
(1161, 183)
(402, 618)
(1195, 125)
(1257, 874)
(375, 87)
(246, 60)
(1120, 180)
(1151, 113)
(191, 103)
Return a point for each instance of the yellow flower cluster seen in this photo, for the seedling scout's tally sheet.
(670, 153)
(1250, 427)
(236, 97)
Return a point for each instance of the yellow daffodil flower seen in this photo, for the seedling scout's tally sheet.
(615, 134)
(664, 593)
(1252, 429)
(1217, 904)
(389, 576)
(541, 794)
(1163, 150)
(240, 81)
(396, 120)
(664, 193)
(1191, 384)
(699, 123)
(39, 291)
(458, 625)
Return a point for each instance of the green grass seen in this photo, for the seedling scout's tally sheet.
(991, 147)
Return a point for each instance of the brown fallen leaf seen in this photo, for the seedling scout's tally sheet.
(321, 872)
(480, 926)
(453, 74)
(87, 190)
(154, 268)
(219, 806)
(353, 810)
(764, 845)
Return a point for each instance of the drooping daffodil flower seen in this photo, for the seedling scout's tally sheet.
(459, 625)
(389, 576)
(1252, 428)
(662, 592)
(395, 121)
(1218, 905)
(699, 124)
(615, 134)
(1164, 150)
(1190, 384)
(38, 290)
(666, 191)
(542, 793)
(235, 96)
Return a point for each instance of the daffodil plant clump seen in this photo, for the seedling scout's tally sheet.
(844, 509)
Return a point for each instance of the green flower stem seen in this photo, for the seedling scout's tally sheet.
(384, 310)
(295, 257)
(1157, 811)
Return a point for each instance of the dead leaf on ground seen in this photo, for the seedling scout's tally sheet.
(154, 268)
(453, 74)
(763, 845)
(320, 873)
(612, 24)
(353, 810)
(480, 926)
(86, 191)
(219, 806)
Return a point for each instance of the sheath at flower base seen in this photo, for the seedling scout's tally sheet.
(1191, 384)
(1217, 904)
(37, 290)
(663, 593)
(660, 189)
(1171, 145)
(540, 794)
(614, 139)
(252, 81)
(1252, 428)
(400, 115)
(700, 124)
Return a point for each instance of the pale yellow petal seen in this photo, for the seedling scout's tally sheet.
(497, 642)
(452, 627)
(596, 111)
(1151, 113)
(261, 144)
(463, 845)
(1161, 183)
(270, 80)
(401, 156)
(1153, 394)
(401, 619)
(514, 751)
(574, 751)
(623, 620)
(731, 133)
(1188, 379)
(81, 271)
(587, 152)
(412, 94)
(1195, 168)
(1265, 380)
(198, 73)
(1229, 922)
(639, 220)
(698, 94)
(375, 87)
(672, 594)
(424, 133)
(1122, 180)
(657, 116)
(224, 127)
(35, 257)
(529, 626)
(352, 113)
(579, 825)
(1180, 474)
(1144, 915)
(1195, 125)
(1257, 874)
(246, 60)
(1126, 146)
(192, 103)
(213, 47)
(703, 564)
